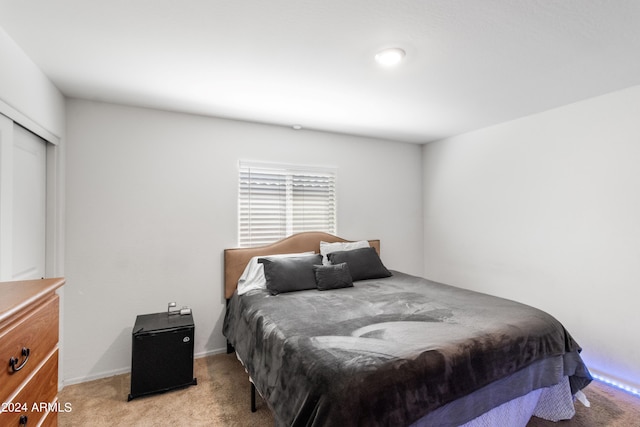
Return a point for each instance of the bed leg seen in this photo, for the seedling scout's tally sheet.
(253, 398)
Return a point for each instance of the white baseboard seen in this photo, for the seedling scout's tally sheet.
(125, 370)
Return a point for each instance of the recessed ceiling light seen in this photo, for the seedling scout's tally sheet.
(296, 127)
(390, 57)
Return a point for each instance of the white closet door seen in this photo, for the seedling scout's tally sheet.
(29, 205)
(6, 197)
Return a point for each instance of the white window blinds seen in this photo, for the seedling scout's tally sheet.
(275, 201)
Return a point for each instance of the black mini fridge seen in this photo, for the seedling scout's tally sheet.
(161, 353)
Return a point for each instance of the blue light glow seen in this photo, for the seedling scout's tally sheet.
(617, 385)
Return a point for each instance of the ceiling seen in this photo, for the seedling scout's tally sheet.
(469, 63)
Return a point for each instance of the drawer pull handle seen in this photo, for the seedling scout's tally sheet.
(14, 361)
(23, 420)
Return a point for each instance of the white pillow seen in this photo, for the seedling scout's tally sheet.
(253, 274)
(326, 248)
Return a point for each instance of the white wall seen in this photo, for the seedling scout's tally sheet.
(151, 205)
(546, 210)
(26, 94)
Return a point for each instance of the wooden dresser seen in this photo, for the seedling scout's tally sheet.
(29, 321)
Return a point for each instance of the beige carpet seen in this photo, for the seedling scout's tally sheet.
(221, 398)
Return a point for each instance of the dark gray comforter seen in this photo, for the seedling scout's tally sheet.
(388, 351)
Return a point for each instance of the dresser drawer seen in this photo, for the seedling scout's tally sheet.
(31, 400)
(51, 420)
(37, 331)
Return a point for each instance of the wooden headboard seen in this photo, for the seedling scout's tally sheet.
(235, 260)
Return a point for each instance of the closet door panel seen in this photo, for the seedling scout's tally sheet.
(29, 205)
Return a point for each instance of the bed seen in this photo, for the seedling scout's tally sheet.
(364, 345)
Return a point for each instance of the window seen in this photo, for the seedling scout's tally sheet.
(276, 201)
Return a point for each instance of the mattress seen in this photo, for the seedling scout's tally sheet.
(397, 351)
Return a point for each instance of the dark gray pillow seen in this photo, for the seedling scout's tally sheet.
(291, 273)
(363, 263)
(333, 276)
